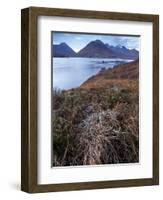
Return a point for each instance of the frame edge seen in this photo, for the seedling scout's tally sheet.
(28, 101)
(24, 99)
(156, 100)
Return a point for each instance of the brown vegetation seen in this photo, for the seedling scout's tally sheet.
(120, 76)
(98, 123)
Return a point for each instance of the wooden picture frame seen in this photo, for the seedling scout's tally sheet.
(29, 172)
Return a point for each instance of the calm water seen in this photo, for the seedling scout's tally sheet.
(72, 72)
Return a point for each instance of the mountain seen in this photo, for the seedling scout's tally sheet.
(96, 49)
(63, 50)
(123, 52)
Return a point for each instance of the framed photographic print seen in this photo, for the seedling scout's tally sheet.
(90, 99)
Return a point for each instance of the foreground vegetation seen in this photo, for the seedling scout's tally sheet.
(97, 123)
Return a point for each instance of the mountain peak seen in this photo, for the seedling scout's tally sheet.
(124, 47)
(134, 50)
(99, 41)
(63, 44)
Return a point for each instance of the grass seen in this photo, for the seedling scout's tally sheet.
(96, 123)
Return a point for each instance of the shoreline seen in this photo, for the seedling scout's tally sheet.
(105, 72)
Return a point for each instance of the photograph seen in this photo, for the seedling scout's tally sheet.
(89, 99)
(95, 99)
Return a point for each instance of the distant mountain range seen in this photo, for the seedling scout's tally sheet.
(95, 49)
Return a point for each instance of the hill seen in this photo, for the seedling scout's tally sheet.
(63, 50)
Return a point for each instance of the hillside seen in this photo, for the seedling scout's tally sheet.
(118, 75)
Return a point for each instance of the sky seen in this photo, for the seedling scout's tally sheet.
(77, 40)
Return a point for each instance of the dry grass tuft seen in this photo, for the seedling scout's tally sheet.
(103, 139)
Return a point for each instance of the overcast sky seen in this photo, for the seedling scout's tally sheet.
(77, 41)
